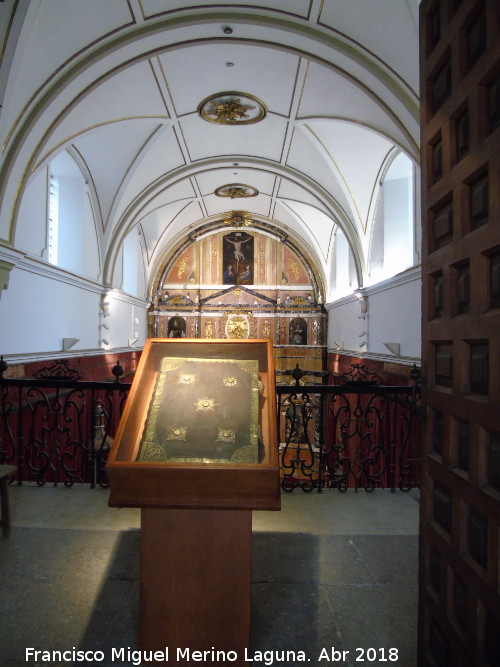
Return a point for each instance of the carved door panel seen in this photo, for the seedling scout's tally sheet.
(460, 509)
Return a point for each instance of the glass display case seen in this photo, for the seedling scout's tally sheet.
(199, 427)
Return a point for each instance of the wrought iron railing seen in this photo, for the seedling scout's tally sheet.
(57, 428)
(358, 434)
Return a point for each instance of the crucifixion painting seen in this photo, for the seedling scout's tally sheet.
(237, 256)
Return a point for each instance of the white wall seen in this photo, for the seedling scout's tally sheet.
(37, 311)
(78, 245)
(344, 325)
(393, 315)
(343, 277)
(31, 225)
(122, 319)
(44, 304)
(394, 308)
(92, 259)
(392, 243)
(134, 280)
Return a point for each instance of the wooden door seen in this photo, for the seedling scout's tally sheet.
(460, 507)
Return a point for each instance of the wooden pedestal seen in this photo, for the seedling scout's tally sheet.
(196, 510)
(195, 582)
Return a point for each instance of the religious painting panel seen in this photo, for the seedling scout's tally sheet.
(238, 324)
(238, 259)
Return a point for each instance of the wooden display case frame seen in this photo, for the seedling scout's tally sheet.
(194, 485)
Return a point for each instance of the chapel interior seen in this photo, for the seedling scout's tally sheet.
(321, 174)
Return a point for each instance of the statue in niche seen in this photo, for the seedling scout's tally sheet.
(176, 327)
(238, 258)
(297, 332)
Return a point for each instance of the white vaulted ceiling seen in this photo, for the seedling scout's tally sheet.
(118, 85)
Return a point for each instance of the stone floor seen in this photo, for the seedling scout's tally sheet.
(329, 570)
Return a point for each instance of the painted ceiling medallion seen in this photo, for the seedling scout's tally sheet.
(236, 190)
(232, 108)
(237, 219)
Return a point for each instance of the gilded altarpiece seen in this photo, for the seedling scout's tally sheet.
(247, 282)
(240, 284)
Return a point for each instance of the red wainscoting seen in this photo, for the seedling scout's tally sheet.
(390, 372)
(94, 367)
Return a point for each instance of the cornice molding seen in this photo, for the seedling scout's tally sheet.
(409, 276)
(25, 358)
(387, 358)
(10, 257)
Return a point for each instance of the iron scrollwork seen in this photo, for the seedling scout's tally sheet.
(57, 428)
(365, 434)
(299, 458)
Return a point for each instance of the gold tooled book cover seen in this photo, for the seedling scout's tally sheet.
(203, 411)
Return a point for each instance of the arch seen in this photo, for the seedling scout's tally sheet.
(392, 234)
(172, 253)
(129, 217)
(316, 40)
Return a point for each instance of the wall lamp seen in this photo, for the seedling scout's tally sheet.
(394, 348)
(68, 343)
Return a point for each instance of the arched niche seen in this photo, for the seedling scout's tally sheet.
(297, 331)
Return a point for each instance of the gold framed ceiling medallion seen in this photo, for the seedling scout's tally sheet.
(236, 191)
(232, 108)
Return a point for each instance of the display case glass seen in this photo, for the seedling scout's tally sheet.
(200, 418)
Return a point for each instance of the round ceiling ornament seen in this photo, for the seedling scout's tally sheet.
(238, 219)
(236, 191)
(232, 108)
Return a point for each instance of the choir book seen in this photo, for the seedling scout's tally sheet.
(203, 411)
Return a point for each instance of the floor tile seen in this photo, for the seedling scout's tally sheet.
(331, 573)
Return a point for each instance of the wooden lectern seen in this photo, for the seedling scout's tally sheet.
(196, 450)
